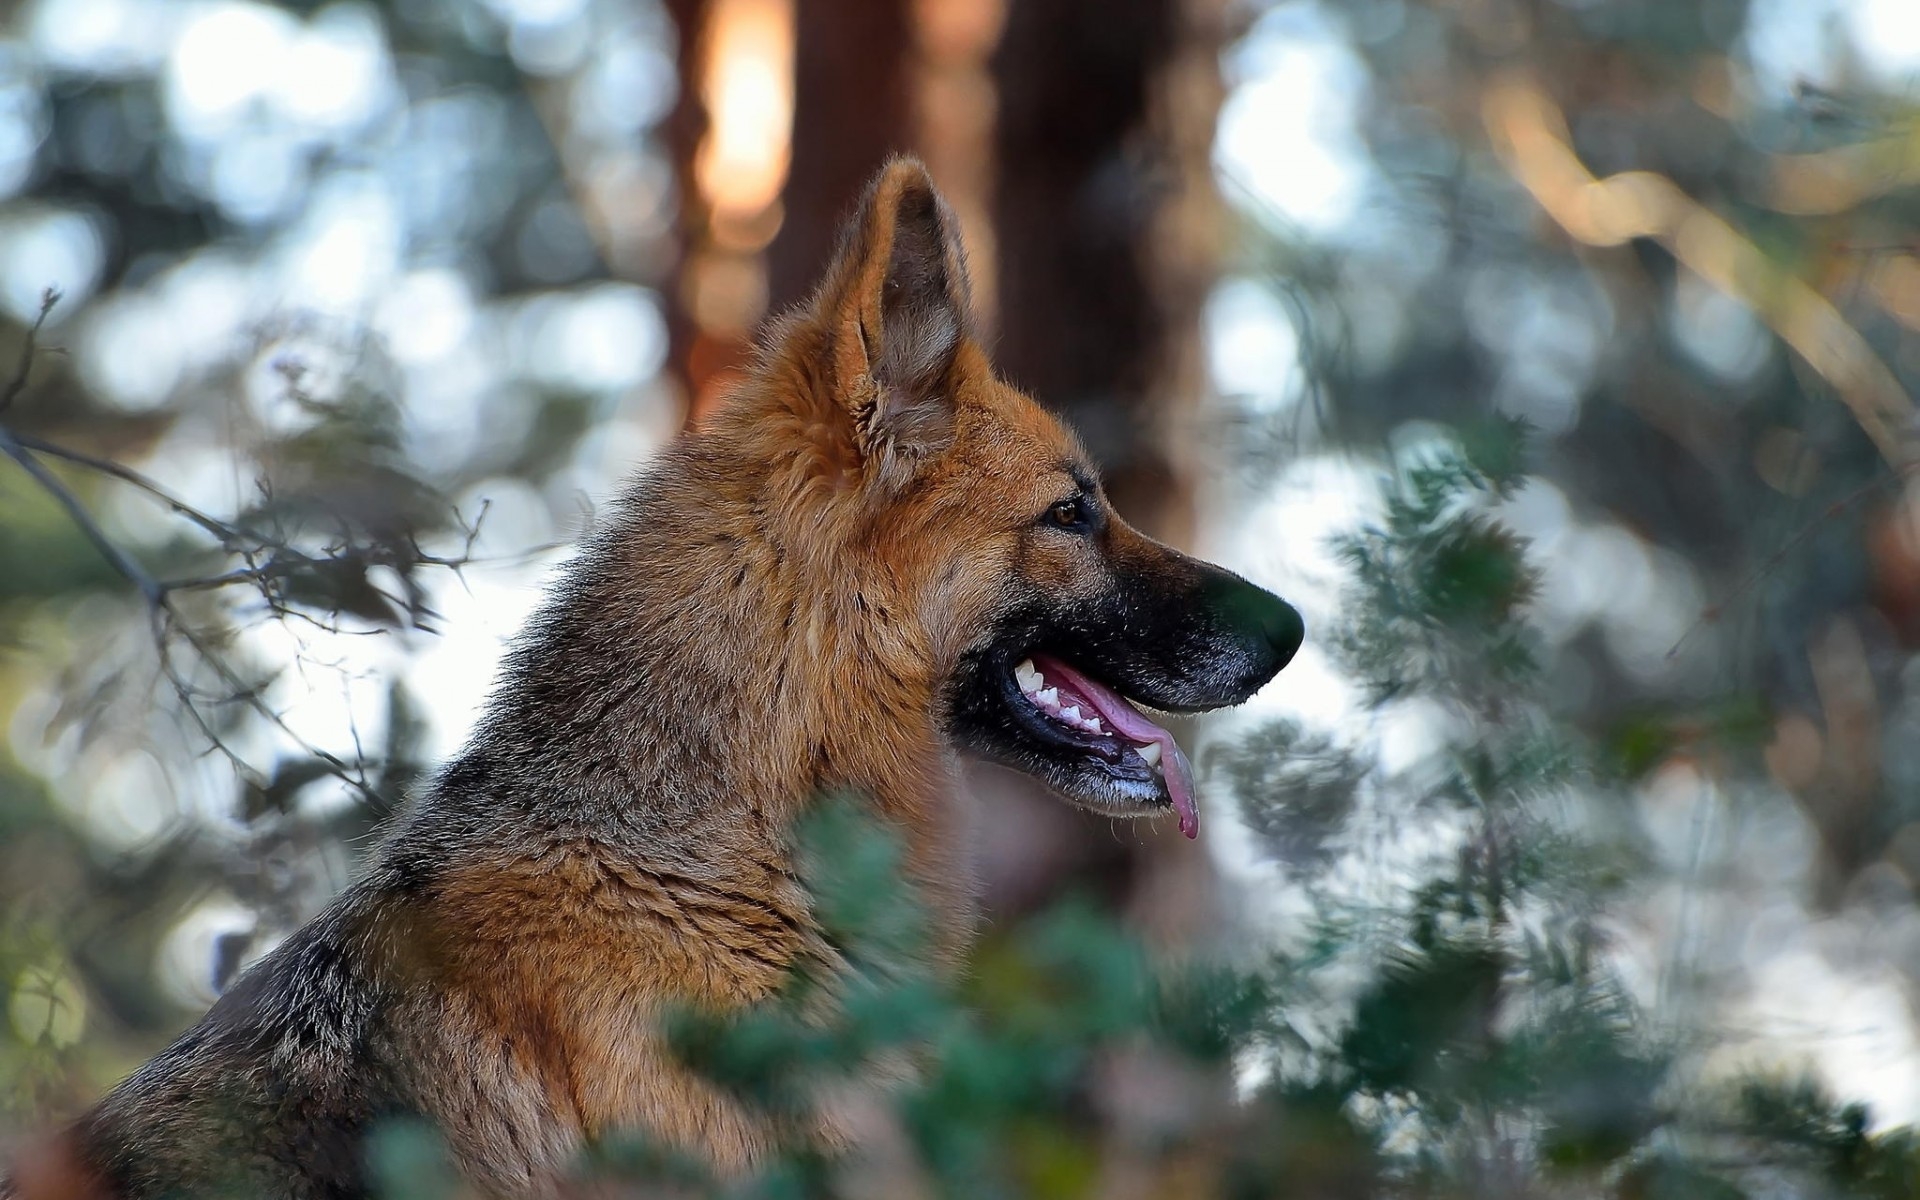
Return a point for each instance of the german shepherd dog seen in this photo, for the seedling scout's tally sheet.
(875, 558)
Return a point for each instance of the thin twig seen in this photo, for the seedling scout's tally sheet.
(21, 369)
(226, 531)
(243, 693)
(269, 562)
(1530, 133)
(166, 623)
(50, 483)
(1712, 612)
(272, 569)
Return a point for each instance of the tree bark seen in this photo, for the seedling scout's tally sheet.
(1080, 180)
(682, 131)
(1105, 216)
(852, 110)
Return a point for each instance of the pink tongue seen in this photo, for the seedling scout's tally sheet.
(1130, 724)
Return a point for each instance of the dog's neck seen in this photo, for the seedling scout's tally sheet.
(694, 684)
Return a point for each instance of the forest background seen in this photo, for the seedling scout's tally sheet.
(1557, 356)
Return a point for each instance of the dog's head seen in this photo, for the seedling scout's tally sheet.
(971, 530)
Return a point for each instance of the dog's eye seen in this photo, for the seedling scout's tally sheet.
(1068, 514)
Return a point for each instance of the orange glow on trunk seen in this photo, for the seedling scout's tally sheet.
(747, 86)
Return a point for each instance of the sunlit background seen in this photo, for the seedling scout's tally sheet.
(454, 267)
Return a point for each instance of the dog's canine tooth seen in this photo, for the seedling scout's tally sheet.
(1150, 752)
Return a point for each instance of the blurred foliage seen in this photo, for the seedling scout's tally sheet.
(1680, 239)
(1428, 566)
(1619, 222)
(1463, 1036)
(327, 296)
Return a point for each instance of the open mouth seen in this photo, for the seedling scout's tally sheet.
(1080, 715)
(1169, 631)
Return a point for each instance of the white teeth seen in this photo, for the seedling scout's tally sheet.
(1150, 752)
(1033, 683)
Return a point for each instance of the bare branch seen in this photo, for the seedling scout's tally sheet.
(352, 775)
(269, 564)
(226, 531)
(50, 483)
(21, 369)
(1714, 611)
(1529, 131)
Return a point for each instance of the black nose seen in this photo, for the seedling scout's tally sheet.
(1269, 627)
(1282, 627)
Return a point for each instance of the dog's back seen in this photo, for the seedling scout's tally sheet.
(601, 850)
(271, 1094)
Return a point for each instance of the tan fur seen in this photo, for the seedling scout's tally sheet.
(574, 950)
(770, 617)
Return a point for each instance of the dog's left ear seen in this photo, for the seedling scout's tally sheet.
(895, 303)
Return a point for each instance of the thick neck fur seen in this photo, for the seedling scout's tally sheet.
(720, 655)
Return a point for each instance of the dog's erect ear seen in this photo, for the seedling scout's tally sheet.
(895, 303)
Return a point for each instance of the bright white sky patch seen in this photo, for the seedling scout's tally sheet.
(126, 354)
(226, 57)
(136, 345)
(348, 247)
(426, 316)
(1284, 544)
(452, 675)
(236, 62)
(1287, 132)
(609, 337)
(1791, 42)
(1252, 347)
(1850, 1028)
(1887, 35)
(43, 248)
(103, 37)
(337, 73)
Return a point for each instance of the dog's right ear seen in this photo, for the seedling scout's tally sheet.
(895, 306)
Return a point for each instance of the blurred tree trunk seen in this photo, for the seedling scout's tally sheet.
(853, 64)
(852, 109)
(1105, 217)
(1089, 167)
(682, 132)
